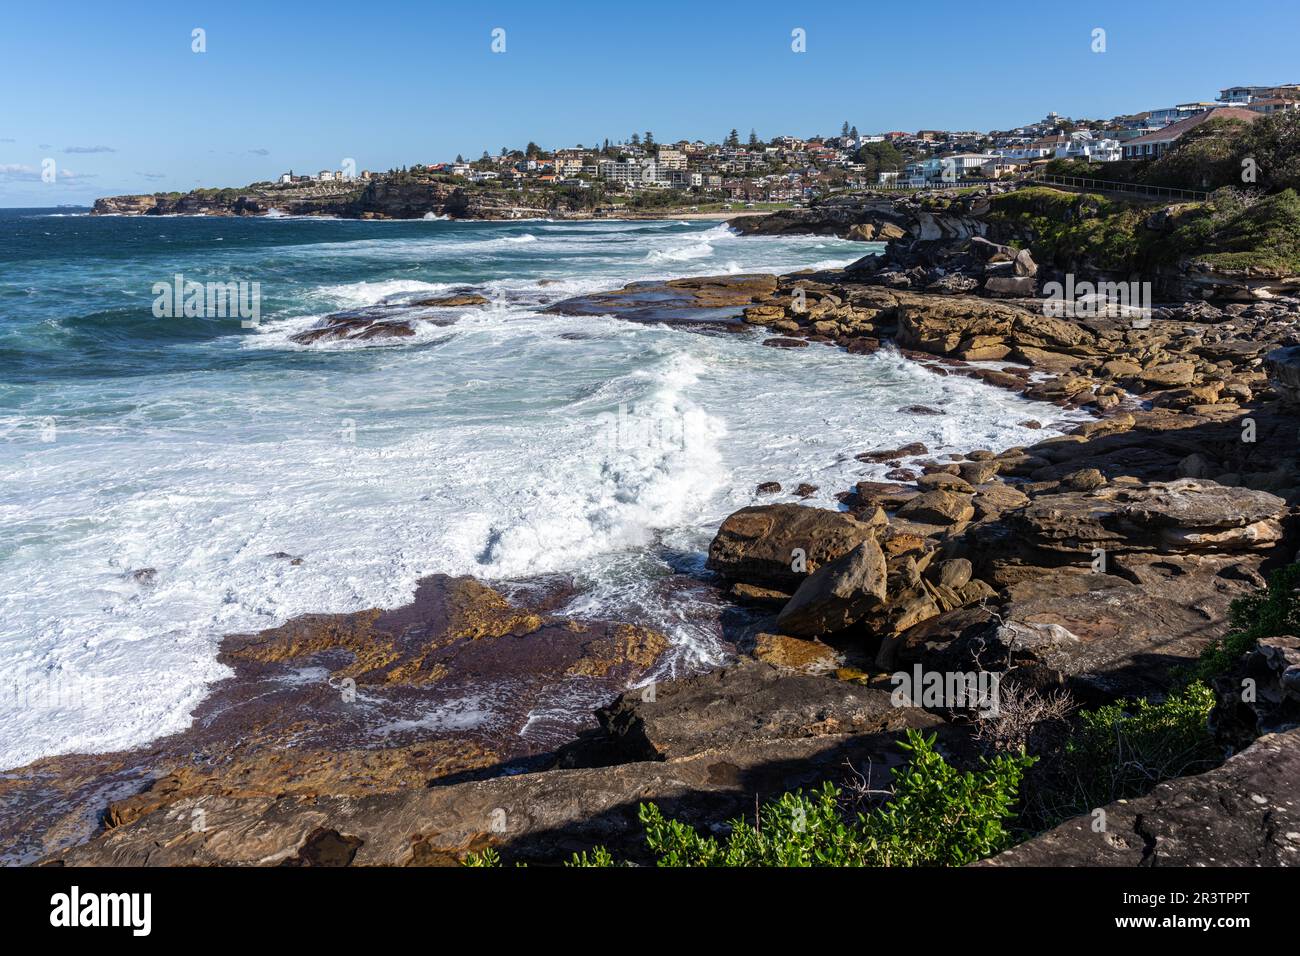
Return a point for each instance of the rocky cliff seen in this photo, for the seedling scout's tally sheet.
(378, 199)
(1225, 249)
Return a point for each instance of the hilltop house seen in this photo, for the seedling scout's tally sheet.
(1154, 145)
(1172, 114)
(1245, 95)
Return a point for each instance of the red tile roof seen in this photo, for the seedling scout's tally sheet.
(1175, 130)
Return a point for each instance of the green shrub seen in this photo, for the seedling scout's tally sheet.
(488, 857)
(936, 816)
(1261, 235)
(1066, 228)
(1123, 750)
(1271, 612)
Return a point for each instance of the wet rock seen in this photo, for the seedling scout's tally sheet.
(457, 301)
(340, 705)
(706, 300)
(890, 454)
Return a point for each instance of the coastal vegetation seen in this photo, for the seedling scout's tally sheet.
(1263, 156)
(935, 815)
(1232, 230)
(1271, 612)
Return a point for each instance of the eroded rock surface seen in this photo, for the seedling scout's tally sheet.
(1244, 813)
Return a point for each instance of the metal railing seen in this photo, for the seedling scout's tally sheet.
(1104, 185)
(913, 187)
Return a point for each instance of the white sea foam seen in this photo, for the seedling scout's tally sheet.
(495, 453)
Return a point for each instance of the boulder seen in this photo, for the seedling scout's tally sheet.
(1105, 636)
(750, 701)
(795, 654)
(837, 594)
(759, 544)
(1283, 366)
(938, 507)
(1017, 286)
(1182, 515)
(1271, 674)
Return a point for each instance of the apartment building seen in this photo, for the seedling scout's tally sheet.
(670, 159)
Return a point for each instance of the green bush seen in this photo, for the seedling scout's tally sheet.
(1268, 613)
(936, 816)
(1206, 157)
(1260, 235)
(1123, 750)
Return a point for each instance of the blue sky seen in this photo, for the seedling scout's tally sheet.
(114, 95)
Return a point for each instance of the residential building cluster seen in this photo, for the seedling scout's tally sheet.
(795, 170)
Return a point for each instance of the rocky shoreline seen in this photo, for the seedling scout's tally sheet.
(381, 199)
(1096, 563)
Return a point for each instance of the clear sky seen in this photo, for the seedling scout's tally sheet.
(114, 96)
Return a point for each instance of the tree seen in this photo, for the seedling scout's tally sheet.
(853, 133)
(532, 151)
(1205, 157)
(636, 139)
(880, 158)
(844, 130)
(1273, 143)
(753, 138)
(733, 138)
(649, 140)
(460, 159)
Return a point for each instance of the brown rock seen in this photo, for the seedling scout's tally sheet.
(794, 654)
(938, 507)
(759, 544)
(837, 594)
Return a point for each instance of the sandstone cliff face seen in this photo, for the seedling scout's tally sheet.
(379, 199)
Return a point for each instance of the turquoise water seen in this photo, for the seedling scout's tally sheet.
(152, 469)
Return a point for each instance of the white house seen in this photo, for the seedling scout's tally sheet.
(1081, 145)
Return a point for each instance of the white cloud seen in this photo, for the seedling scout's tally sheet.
(22, 173)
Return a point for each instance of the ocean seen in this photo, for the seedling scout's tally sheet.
(165, 481)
